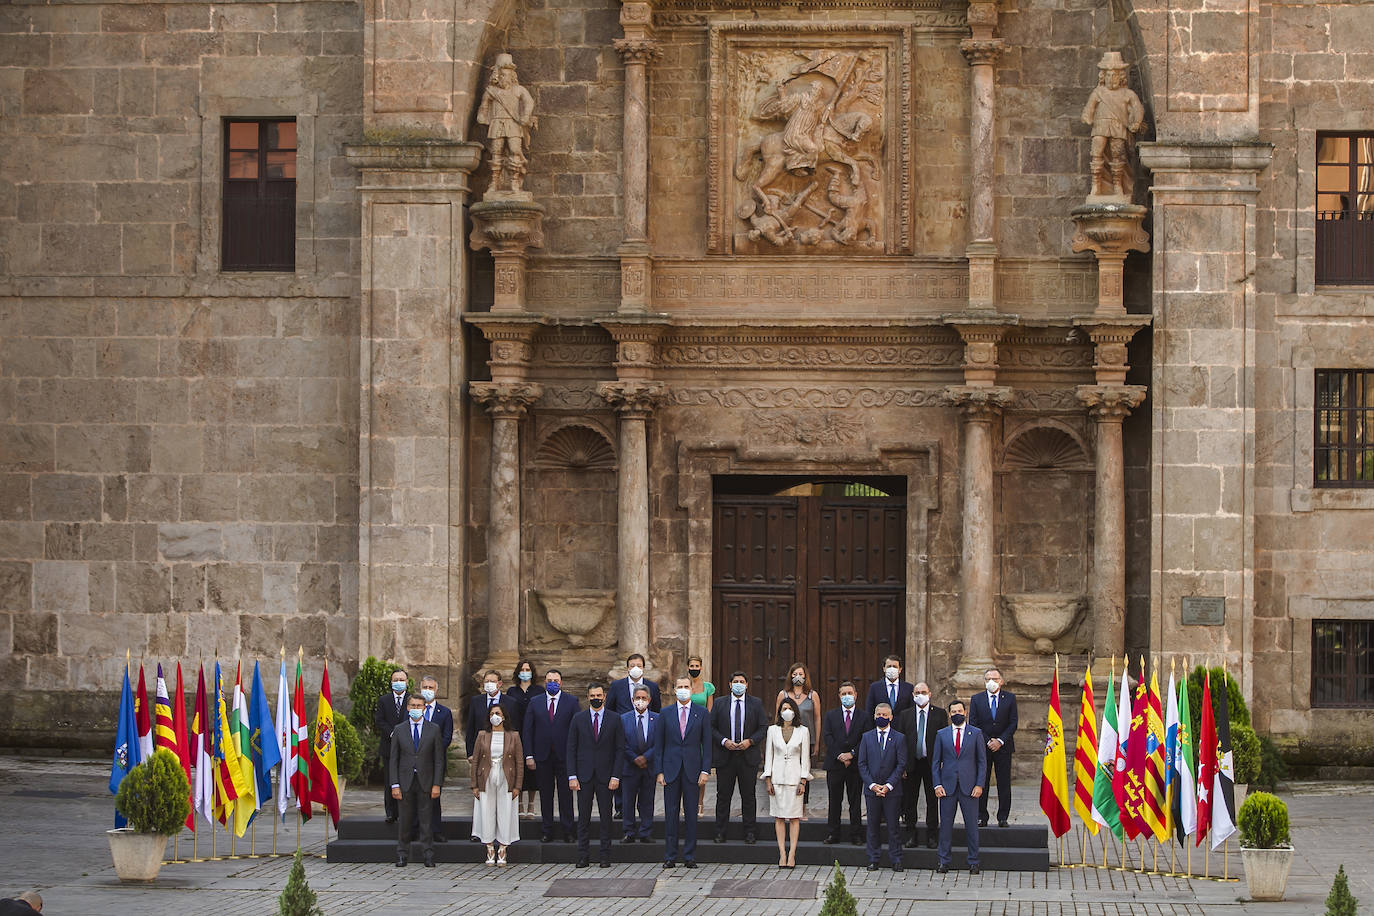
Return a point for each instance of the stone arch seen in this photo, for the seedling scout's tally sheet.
(1046, 445)
(577, 446)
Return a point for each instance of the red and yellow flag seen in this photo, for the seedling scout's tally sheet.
(1085, 756)
(1054, 771)
(1156, 808)
(1133, 790)
(324, 767)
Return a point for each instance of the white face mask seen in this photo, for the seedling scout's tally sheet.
(428, 695)
(490, 687)
(922, 699)
(787, 715)
(683, 694)
(992, 686)
(641, 705)
(636, 673)
(892, 673)
(496, 718)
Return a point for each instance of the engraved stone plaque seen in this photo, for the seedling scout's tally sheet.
(1200, 611)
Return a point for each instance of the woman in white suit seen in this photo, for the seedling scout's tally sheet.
(786, 770)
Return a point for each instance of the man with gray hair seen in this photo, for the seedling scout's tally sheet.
(26, 904)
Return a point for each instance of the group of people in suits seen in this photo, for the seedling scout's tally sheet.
(613, 753)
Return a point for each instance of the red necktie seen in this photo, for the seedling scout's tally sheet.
(552, 704)
(848, 720)
(957, 732)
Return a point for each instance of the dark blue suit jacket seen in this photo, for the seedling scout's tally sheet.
(634, 745)
(959, 774)
(882, 766)
(443, 717)
(478, 720)
(543, 739)
(678, 756)
(619, 698)
(836, 741)
(595, 760)
(877, 693)
(1004, 726)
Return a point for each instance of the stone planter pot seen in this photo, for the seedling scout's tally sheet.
(1266, 871)
(137, 856)
(1043, 617)
(576, 613)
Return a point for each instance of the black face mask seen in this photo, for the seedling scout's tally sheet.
(881, 721)
(694, 672)
(957, 718)
(596, 702)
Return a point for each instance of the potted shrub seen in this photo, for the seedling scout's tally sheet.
(155, 798)
(1264, 845)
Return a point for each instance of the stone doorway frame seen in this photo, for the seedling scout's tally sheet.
(918, 463)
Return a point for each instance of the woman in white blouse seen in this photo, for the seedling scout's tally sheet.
(786, 769)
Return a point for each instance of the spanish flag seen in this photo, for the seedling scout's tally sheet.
(1085, 756)
(1054, 772)
(324, 768)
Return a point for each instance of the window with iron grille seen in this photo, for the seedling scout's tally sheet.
(1343, 663)
(1344, 453)
(259, 204)
(1345, 208)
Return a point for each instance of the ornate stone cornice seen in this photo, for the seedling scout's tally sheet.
(634, 398)
(636, 344)
(978, 403)
(512, 344)
(982, 50)
(981, 337)
(1110, 403)
(638, 50)
(505, 400)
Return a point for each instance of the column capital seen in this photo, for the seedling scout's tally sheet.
(638, 50)
(979, 403)
(511, 338)
(1110, 403)
(981, 335)
(636, 343)
(1110, 336)
(982, 50)
(634, 398)
(505, 400)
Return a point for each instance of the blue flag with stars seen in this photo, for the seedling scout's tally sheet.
(126, 750)
(263, 738)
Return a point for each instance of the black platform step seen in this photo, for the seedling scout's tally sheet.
(370, 839)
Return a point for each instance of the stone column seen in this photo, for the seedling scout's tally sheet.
(981, 406)
(1109, 405)
(1110, 231)
(637, 49)
(507, 403)
(635, 401)
(982, 51)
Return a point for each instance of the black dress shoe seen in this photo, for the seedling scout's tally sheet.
(582, 863)
(856, 839)
(401, 862)
(628, 838)
(605, 863)
(942, 869)
(1001, 823)
(569, 836)
(391, 820)
(474, 839)
(831, 839)
(749, 838)
(982, 822)
(897, 866)
(975, 870)
(930, 843)
(872, 866)
(911, 841)
(546, 837)
(720, 836)
(429, 861)
(440, 838)
(689, 864)
(668, 864)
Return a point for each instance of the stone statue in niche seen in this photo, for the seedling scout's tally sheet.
(507, 109)
(1115, 113)
(830, 108)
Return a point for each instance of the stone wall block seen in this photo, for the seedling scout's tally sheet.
(188, 588)
(103, 448)
(27, 448)
(178, 449)
(190, 542)
(234, 588)
(247, 543)
(143, 588)
(287, 498)
(100, 635)
(15, 500)
(213, 635)
(310, 449)
(154, 497)
(16, 586)
(319, 588)
(62, 541)
(66, 497)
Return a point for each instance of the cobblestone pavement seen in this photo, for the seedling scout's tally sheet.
(53, 814)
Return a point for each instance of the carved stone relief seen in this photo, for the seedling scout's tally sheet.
(809, 139)
(809, 428)
(767, 397)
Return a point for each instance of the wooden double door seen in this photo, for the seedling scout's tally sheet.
(815, 579)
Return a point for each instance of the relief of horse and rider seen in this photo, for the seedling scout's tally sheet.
(816, 183)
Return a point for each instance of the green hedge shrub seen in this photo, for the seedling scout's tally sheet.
(1263, 822)
(155, 795)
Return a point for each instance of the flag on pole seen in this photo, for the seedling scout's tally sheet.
(1224, 783)
(164, 734)
(1105, 811)
(285, 736)
(1156, 807)
(300, 775)
(246, 804)
(233, 787)
(1171, 733)
(127, 753)
(1133, 799)
(202, 743)
(145, 722)
(1185, 797)
(1085, 756)
(1206, 761)
(1054, 770)
(324, 768)
(263, 741)
(183, 742)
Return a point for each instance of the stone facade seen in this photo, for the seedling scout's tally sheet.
(756, 246)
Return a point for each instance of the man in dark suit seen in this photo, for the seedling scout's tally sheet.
(417, 774)
(891, 689)
(842, 730)
(620, 698)
(919, 724)
(595, 739)
(441, 716)
(994, 713)
(738, 729)
(640, 727)
(882, 759)
(480, 707)
(682, 750)
(959, 764)
(545, 737)
(390, 712)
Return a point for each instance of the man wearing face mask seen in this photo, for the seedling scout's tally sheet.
(416, 768)
(920, 724)
(545, 738)
(892, 690)
(994, 712)
(441, 716)
(682, 751)
(594, 767)
(390, 712)
(882, 759)
(738, 728)
(480, 708)
(959, 765)
(843, 729)
(640, 727)
(620, 698)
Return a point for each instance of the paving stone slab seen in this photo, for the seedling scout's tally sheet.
(601, 887)
(764, 889)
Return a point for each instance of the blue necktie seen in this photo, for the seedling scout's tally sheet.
(415, 731)
(892, 695)
(994, 705)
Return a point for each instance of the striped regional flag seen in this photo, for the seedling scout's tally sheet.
(1085, 756)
